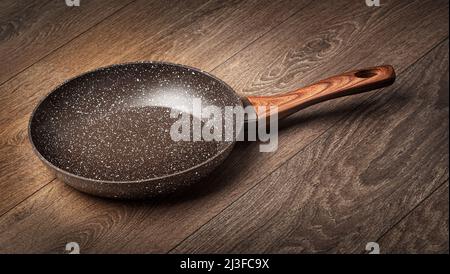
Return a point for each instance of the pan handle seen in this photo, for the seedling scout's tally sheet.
(353, 82)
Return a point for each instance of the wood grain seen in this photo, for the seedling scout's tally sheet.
(424, 230)
(352, 183)
(140, 34)
(345, 84)
(29, 30)
(319, 41)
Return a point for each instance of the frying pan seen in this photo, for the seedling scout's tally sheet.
(106, 132)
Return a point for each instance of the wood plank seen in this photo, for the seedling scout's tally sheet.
(190, 24)
(144, 226)
(29, 30)
(424, 230)
(352, 183)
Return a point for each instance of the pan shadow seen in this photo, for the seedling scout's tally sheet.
(230, 172)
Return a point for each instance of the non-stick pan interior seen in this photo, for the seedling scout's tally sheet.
(114, 123)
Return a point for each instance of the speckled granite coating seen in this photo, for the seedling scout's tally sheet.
(106, 132)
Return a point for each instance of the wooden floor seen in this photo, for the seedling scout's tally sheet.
(369, 168)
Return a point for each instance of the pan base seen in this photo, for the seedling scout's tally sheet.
(122, 145)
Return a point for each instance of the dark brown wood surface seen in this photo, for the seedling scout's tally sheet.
(30, 30)
(346, 172)
(411, 234)
(353, 182)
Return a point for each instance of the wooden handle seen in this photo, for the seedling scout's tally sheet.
(345, 84)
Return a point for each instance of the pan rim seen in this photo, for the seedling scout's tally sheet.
(229, 146)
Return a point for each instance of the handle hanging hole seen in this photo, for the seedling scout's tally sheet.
(365, 74)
